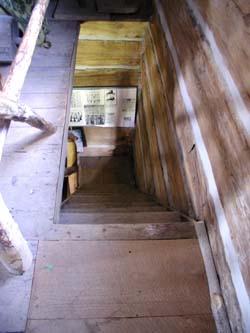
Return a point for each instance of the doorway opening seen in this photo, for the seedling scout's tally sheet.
(103, 108)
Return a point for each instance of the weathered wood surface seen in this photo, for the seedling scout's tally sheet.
(12, 110)
(98, 151)
(231, 19)
(134, 205)
(128, 279)
(217, 303)
(120, 218)
(20, 65)
(15, 254)
(225, 142)
(15, 296)
(181, 324)
(147, 114)
(108, 53)
(18, 72)
(108, 30)
(142, 158)
(106, 170)
(97, 136)
(109, 209)
(168, 147)
(31, 160)
(139, 166)
(106, 77)
(227, 147)
(129, 231)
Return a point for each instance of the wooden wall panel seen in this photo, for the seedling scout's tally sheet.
(203, 208)
(150, 127)
(108, 53)
(193, 172)
(107, 78)
(169, 155)
(226, 147)
(106, 170)
(112, 30)
(230, 23)
(215, 116)
(109, 136)
(142, 157)
(139, 162)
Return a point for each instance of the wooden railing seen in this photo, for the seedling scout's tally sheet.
(15, 254)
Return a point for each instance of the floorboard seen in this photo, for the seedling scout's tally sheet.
(14, 297)
(118, 279)
(177, 324)
(30, 165)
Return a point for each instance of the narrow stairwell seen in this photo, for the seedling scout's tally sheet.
(118, 203)
(143, 271)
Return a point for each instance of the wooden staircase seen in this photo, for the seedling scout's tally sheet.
(139, 269)
(119, 203)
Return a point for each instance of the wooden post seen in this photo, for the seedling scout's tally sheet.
(19, 68)
(20, 65)
(14, 251)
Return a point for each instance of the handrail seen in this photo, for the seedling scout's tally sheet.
(15, 254)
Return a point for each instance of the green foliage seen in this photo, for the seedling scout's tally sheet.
(21, 11)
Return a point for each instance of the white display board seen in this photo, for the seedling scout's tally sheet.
(106, 107)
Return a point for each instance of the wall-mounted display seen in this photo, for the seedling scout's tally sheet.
(107, 107)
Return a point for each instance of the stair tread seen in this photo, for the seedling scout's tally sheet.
(105, 279)
(78, 204)
(124, 231)
(106, 188)
(115, 197)
(128, 217)
(94, 209)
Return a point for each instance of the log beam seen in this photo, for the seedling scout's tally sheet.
(15, 254)
(10, 110)
(20, 65)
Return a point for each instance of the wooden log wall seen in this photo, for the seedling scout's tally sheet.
(108, 55)
(195, 95)
(159, 155)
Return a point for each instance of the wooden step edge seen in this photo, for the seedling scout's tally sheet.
(118, 218)
(130, 209)
(105, 232)
(161, 214)
(217, 302)
(75, 204)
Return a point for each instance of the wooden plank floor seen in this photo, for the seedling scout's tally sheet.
(176, 324)
(119, 286)
(29, 170)
(31, 159)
